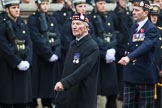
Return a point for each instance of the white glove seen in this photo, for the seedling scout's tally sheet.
(53, 58)
(110, 55)
(23, 65)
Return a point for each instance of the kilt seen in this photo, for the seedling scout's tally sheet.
(138, 95)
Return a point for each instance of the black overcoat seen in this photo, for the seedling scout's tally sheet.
(103, 23)
(44, 73)
(80, 75)
(15, 85)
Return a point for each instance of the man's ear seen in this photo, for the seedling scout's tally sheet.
(146, 13)
(7, 9)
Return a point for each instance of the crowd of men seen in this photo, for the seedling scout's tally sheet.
(69, 57)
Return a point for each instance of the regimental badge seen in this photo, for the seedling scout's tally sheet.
(76, 58)
(82, 17)
(141, 4)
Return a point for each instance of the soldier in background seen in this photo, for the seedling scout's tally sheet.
(16, 57)
(154, 12)
(63, 14)
(159, 2)
(46, 53)
(106, 38)
(123, 22)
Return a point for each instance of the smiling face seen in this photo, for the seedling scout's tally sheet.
(139, 14)
(79, 28)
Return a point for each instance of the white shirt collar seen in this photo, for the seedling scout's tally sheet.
(78, 38)
(141, 23)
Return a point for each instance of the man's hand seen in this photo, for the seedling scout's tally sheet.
(59, 86)
(124, 60)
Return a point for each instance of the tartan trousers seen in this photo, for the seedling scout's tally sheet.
(138, 95)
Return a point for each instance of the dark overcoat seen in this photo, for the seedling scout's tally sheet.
(106, 38)
(15, 85)
(79, 76)
(44, 73)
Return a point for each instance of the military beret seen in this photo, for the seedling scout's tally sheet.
(154, 9)
(81, 17)
(142, 3)
(7, 3)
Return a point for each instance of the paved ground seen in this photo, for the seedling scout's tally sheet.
(101, 100)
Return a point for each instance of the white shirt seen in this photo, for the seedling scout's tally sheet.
(78, 38)
(141, 23)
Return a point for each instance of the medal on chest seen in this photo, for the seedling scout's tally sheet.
(76, 58)
(137, 37)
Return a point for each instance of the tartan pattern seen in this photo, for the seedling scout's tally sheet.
(138, 95)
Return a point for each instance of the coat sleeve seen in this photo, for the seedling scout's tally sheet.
(42, 48)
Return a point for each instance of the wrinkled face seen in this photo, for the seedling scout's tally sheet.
(44, 6)
(139, 14)
(122, 3)
(81, 8)
(153, 18)
(78, 28)
(13, 11)
(100, 6)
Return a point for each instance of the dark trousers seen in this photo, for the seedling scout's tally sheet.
(45, 103)
(111, 101)
(138, 95)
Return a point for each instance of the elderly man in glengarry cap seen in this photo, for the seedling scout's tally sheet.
(78, 85)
